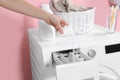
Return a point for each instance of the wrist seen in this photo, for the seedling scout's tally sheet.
(47, 17)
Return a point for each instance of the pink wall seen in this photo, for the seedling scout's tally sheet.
(14, 46)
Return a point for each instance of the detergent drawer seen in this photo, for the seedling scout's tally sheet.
(74, 65)
(78, 71)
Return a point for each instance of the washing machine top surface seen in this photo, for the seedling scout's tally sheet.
(98, 35)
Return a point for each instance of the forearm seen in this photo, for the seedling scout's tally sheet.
(23, 7)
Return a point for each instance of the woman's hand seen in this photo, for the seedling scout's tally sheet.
(57, 22)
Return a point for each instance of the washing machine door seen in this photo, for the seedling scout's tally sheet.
(110, 66)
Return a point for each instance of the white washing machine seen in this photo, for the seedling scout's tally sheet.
(100, 52)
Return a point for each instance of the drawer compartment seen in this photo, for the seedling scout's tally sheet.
(69, 56)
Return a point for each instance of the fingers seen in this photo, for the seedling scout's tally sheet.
(59, 28)
(63, 23)
(59, 23)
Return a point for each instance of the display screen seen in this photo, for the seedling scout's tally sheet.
(112, 48)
